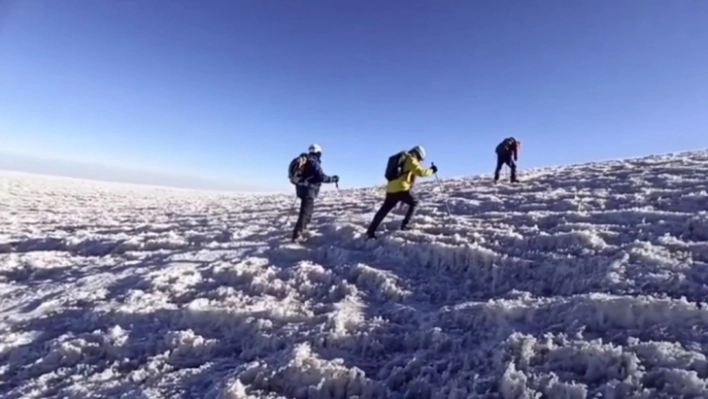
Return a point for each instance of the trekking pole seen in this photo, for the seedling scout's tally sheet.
(342, 211)
(447, 206)
(292, 208)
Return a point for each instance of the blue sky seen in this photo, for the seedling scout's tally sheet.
(230, 91)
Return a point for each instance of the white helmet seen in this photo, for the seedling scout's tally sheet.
(315, 149)
(420, 151)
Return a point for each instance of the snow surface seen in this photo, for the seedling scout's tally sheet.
(583, 282)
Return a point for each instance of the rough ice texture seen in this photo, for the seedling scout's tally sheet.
(583, 282)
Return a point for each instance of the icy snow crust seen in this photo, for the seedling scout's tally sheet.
(583, 282)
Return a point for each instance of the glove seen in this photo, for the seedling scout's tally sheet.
(335, 179)
(434, 168)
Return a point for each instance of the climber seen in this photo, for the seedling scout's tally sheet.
(401, 172)
(305, 172)
(507, 153)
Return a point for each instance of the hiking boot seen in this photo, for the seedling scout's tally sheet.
(298, 240)
(297, 237)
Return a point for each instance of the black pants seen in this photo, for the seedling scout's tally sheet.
(505, 159)
(389, 203)
(307, 206)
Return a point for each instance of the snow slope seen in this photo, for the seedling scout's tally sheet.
(585, 281)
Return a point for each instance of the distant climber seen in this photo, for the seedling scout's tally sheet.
(401, 172)
(507, 153)
(305, 172)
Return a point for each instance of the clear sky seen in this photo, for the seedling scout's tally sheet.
(232, 90)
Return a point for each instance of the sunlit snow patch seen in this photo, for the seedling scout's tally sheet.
(583, 281)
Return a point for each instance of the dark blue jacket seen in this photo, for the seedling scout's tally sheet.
(509, 148)
(312, 178)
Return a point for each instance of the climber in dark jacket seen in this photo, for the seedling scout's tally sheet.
(507, 153)
(308, 188)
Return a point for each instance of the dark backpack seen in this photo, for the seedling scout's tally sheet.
(505, 145)
(296, 168)
(394, 167)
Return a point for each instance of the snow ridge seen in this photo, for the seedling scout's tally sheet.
(585, 281)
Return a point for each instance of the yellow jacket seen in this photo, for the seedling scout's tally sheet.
(412, 168)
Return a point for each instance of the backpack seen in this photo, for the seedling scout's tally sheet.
(504, 145)
(296, 167)
(394, 167)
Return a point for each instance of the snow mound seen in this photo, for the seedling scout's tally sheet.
(584, 281)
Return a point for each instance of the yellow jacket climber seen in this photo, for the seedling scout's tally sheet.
(412, 169)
